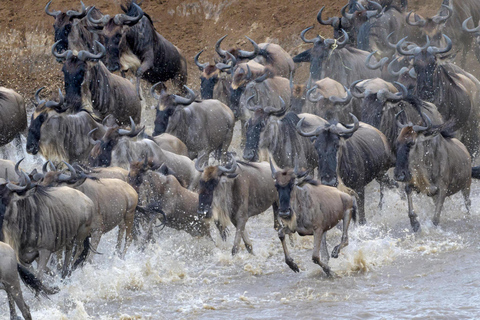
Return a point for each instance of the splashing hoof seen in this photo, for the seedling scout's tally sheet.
(335, 252)
(416, 225)
(292, 265)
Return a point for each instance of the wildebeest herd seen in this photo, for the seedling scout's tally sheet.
(371, 103)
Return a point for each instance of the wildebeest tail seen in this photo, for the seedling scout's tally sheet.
(476, 172)
(354, 209)
(33, 283)
(83, 256)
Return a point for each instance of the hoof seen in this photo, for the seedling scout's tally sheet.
(249, 249)
(416, 225)
(335, 252)
(292, 265)
(234, 251)
(436, 222)
(362, 221)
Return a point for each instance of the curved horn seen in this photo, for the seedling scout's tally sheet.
(53, 13)
(384, 95)
(15, 188)
(419, 23)
(71, 169)
(403, 52)
(197, 166)
(232, 168)
(329, 22)
(374, 13)
(438, 19)
(86, 55)
(340, 44)
(353, 86)
(465, 27)
(17, 170)
(393, 72)
(249, 54)
(123, 19)
(277, 112)
(377, 65)
(37, 96)
(356, 125)
(56, 105)
(76, 14)
(185, 101)
(200, 66)
(313, 133)
(399, 124)
(412, 73)
(348, 16)
(272, 168)
(302, 36)
(391, 45)
(124, 132)
(89, 135)
(100, 22)
(62, 55)
(262, 78)
(221, 53)
(155, 95)
(435, 50)
(247, 103)
(249, 73)
(342, 101)
(309, 95)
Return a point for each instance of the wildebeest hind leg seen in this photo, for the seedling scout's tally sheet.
(288, 259)
(247, 241)
(240, 226)
(15, 293)
(43, 257)
(411, 214)
(11, 303)
(324, 249)
(466, 198)
(121, 235)
(317, 244)
(438, 199)
(344, 242)
(361, 206)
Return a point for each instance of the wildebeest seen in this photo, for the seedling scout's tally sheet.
(236, 193)
(454, 91)
(449, 20)
(133, 44)
(72, 28)
(333, 58)
(171, 143)
(13, 117)
(214, 82)
(353, 155)
(476, 33)
(10, 270)
(59, 134)
(382, 101)
(205, 126)
(178, 203)
(89, 83)
(431, 161)
(267, 130)
(310, 208)
(114, 204)
(102, 172)
(119, 147)
(37, 221)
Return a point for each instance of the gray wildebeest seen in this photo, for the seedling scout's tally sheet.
(476, 33)
(455, 92)
(10, 270)
(205, 126)
(133, 44)
(58, 134)
(37, 221)
(310, 208)
(269, 130)
(88, 84)
(13, 117)
(335, 59)
(449, 20)
(352, 156)
(119, 147)
(236, 193)
(72, 28)
(432, 162)
(114, 204)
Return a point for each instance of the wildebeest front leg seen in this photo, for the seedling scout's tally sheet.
(66, 262)
(11, 304)
(240, 226)
(317, 244)
(288, 259)
(14, 294)
(324, 249)
(43, 257)
(247, 241)
(347, 216)
(361, 206)
(276, 222)
(411, 214)
(466, 198)
(439, 199)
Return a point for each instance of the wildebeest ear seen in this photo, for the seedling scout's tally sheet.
(232, 175)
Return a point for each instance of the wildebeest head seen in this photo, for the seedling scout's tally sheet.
(242, 75)
(101, 154)
(328, 142)
(329, 97)
(209, 180)
(256, 125)
(337, 23)
(43, 111)
(75, 67)
(425, 64)
(431, 27)
(211, 73)
(320, 53)
(137, 170)
(359, 18)
(167, 105)
(405, 141)
(235, 52)
(113, 30)
(63, 24)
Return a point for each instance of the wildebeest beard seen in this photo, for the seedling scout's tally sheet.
(34, 133)
(207, 85)
(104, 158)
(402, 172)
(205, 197)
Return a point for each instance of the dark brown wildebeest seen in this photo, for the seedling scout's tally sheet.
(37, 221)
(449, 20)
(333, 58)
(119, 147)
(455, 92)
(60, 135)
(89, 83)
(178, 203)
(476, 33)
(236, 193)
(310, 208)
(381, 101)
(13, 117)
(266, 130)
(71, 29)
(432, 162)
(133, 44)
(205, 126)
(214, 80)
(114, 204)
(10, 270)
(352, 155)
